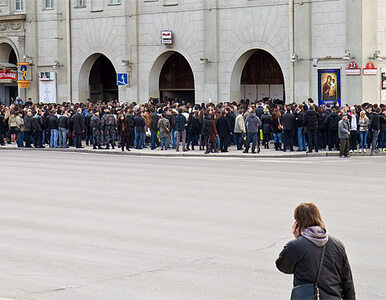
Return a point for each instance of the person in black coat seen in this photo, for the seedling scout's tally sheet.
(79, 127)
(311, 124)
(331, 124)
(224, 131)
(302, 256)
(2, 129)
(288, 123)
(375, 127)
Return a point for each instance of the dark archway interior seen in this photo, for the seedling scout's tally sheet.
(102, 80)
(262, 71)
(176, 79)
(9, 90)
(12, 57)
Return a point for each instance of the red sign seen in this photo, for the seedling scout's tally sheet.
(370, 69)
(166, 37)
(7, 76)
(353, 69)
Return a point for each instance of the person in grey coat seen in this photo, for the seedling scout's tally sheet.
(252, 124)
(344, 134)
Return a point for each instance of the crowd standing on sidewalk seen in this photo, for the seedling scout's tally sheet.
(174, 124)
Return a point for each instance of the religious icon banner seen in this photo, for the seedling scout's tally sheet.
(329, 88)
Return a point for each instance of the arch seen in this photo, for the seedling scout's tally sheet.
(240, 60)
(84, 91)
(155, 72)
(6, 46)
(8, 54)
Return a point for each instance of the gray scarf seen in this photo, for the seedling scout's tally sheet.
(316, 234)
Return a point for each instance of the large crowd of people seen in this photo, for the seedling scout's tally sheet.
(174, 124)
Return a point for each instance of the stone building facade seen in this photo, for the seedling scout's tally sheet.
(233, 49)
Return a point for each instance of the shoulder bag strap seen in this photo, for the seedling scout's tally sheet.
(320, 268)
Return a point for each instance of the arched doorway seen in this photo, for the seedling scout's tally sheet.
(8, 76)
(257, 75)
(97, 79)
(172, 77)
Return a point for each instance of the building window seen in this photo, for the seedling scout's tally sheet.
(80, 3)
(19, 5)
(48, 3)
(115, 2)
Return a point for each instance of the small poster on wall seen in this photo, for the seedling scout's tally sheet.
(47, 87)
(329, 86)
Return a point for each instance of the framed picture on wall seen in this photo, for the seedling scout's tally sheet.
(329, 86)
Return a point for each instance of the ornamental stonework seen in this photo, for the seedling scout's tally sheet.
(13, 26)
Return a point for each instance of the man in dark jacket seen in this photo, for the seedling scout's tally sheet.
(79, 127)
(28, 128)
(2, 129)
(181, 130)
(139, 124)
(224, 131)
(96, 127)
(53, 125)
(37, 125)
(153, 125)
(375, 127)
(205, 131)
(288, 123)
(63, 127)
(331, 123)
(311, 123)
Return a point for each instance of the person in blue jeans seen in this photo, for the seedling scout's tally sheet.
(363, 125)
(139, 123)
(53, 124)
(252, 125)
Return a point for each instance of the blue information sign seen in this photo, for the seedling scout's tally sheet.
(122, 78)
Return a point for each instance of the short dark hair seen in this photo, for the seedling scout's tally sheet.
(307, 215)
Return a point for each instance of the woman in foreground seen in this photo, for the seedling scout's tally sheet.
(318, 261)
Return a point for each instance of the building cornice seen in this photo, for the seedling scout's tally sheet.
(15, 17)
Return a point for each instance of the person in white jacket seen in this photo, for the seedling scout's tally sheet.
(239, 129)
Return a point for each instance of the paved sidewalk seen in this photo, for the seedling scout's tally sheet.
(265, 153)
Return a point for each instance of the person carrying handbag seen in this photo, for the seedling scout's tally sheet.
(318, 261)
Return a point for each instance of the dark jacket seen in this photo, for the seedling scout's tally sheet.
(301, 257)
(266, 120)
(79, 124)
(205, 131)
(153, 121)
(28, 123)
(63, 121)
(139, 123)
(375, 123)
(124, 127)
(223, 127)
(331, 122)
(382, 121)
(311, 120)
(259, 111)
(195, 126)
(299, 119)
(288, 121)
(53, 122)
(180, 122)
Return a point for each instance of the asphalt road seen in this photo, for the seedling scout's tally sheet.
(89, 226)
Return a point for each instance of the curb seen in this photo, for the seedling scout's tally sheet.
(184, 154)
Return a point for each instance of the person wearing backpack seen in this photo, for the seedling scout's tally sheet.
(317, 260)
